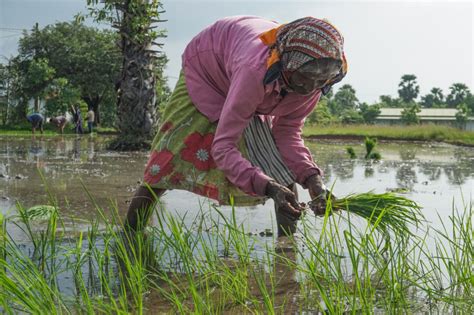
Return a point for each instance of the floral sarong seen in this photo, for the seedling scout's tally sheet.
(181, 154)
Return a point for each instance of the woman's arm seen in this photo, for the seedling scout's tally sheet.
(244, 95)
(287, 133)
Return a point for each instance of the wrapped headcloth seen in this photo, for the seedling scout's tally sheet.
(294, 44)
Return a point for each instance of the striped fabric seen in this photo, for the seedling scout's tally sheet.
(263, 152)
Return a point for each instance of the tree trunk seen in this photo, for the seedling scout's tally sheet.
(94, 104)
(136, 95)
(37, 107)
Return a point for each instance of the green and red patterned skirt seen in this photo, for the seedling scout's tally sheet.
(181, 154)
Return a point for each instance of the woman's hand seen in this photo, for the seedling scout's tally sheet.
(284, 198)
(318, 193)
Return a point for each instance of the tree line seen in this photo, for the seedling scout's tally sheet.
(69, 63)
(61, 65)
(118, 74)
(343, 106)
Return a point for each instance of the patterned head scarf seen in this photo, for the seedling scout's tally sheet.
(294, 44)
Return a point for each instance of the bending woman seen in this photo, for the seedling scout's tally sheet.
(232, 127)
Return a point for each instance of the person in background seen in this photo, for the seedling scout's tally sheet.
(36, 120)
(59, 121)
(77, 119)
(90, 117)
(231, 130)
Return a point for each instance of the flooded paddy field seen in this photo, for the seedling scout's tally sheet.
(434, 175)
(246, 268)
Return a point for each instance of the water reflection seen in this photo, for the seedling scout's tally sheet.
(407, 153)
(406, 176)
(432, 171)
(344, 169)
(424, 170)
(369, 171)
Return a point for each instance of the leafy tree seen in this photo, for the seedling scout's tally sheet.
(134, 20)
(5, 84)
(408, 88)
(369, 113)
(470, 103)
(13, 82)
(87, 57)
(434, 99)
(409, 114)
(388, 101)
(37, 79)
(108, 110)
(60, 96)
(457, 95)
(321, 115)
(351, 116)
(346, 98)
(462, 115)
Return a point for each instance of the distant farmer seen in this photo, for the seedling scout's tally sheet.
(60, 122)
(232, 128)
(36, 120)
(90, 117)
(77, 119)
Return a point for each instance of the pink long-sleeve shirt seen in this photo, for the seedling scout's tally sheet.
(224, 66)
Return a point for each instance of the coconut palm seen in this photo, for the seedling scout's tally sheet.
(134, 20)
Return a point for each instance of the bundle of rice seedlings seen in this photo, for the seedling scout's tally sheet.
(370, 144)
(385, 212)
(37, 213)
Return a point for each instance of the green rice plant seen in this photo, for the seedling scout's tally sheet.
(357, 271)
(386, 211)
(370, 144)
(211, 265)
(351, 152)
(375, 156)
(453, 261)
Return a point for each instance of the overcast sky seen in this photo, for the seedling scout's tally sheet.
(383, 39)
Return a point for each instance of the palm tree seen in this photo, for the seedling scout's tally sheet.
(438, 97)
(433, 99)
(409, 88)
(137, 115)
(459, 92)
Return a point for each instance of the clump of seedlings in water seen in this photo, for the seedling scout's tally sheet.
(351, 152)
(370, 144)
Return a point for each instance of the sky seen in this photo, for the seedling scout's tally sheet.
(383, 39)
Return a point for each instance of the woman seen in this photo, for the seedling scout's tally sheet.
(232, 128)
(77, 119)
(60, 122)
(36, 120)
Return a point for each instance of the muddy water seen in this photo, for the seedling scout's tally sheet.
(432, 174)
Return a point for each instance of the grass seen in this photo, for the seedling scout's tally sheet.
(412, 133)
(213, 266)
(25, 129)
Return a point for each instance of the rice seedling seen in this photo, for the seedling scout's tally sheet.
(370, 144)
(387, 211)
(212, 265)
(351, 152)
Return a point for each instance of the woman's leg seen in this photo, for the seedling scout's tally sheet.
(141, 207)
(286, 224)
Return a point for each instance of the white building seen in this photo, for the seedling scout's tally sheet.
(437, 116)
